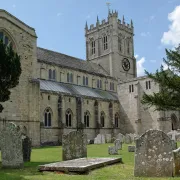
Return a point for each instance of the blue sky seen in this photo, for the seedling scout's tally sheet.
(60, 24)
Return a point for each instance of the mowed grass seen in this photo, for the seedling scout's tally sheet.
(53, 154)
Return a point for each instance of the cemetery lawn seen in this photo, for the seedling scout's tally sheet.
(53, 154)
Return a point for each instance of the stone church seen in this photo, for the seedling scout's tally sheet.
(58, 93)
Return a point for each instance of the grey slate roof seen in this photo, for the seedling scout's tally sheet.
(75, 90)
(47, 56)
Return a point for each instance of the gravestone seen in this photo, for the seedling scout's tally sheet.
(131, 148)
(112, 150)
(153, 155)
(100, 139)
(176, 154)
(74, 145)
(108, 138)
(26, 144)
(118, 144)
(120, 137)
(174, 144)
(11, 147)
(127, 139)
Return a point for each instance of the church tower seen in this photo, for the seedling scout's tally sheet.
(110, 44)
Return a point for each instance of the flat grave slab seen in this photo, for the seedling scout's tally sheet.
(81, 165)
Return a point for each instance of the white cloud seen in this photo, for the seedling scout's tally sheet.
(172, 36)
(145, 34)
(165, 66)
(140, 67)
(59, 14)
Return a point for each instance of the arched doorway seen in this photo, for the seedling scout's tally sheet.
(174, 122)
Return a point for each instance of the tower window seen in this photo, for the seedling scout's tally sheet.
(105, 42)
(47, 117)
(128, 47)
(93, 47)
(131, 88)
(86, 119)
(148, 84)
(120, 44)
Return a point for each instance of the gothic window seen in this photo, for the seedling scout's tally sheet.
(86, 118)
(98, 83)
(86, 81)
(69, 77)
(68, 118)
(105, 42)
(128, 47)
(102, 119)
(148, 84)
(47, 117)
(93, 47)
(120, 44)
(50, 74)
(112, 86)
(116, 120)
(54, 74)
(131, 88)
(5, 39)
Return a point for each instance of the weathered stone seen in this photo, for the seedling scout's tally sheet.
(127, 139)
(11, 147)
(131, 148)
(112, 150)
(118, 144)
(108, 138)
(176, 154)
(74, 145)
(100, 139)
(81, 165)
(174, 144)
(120, 137)
(26, 144)
(153, 156)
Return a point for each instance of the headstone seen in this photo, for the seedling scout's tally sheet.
(26, 144)
(118, 144)
(120, 137)
(132, 136)
(127, 139)
(131, 148)
(108, 138)
(174, 144)
(112, 150)
(136, 137)
(11, 147)
(74, 145)
(100, 139)
(153, 155)
(176, 154)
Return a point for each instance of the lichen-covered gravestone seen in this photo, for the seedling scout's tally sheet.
(112, 150)
(118, 144)
(120, 137)
(153, 155)
(131, 148)
(176, 154)
(11, 147)
(26, 143)
(108, 138)
(74, 145)
(127, 139)
(100, 139)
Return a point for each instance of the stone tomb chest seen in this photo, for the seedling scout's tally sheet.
(153, 155)
(74, 145)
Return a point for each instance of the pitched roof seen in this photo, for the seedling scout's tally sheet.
(47, 56)
(75, 90)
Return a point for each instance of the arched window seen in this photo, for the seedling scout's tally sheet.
(47, 117)
(71, 77)
(68, 77)
(120, 44)
(116, 120)
(50, 74)
(128, 46)
(86, 118)
(86, 81)
(93, 48)
(102, 119)
(68, 118)
(5, 39)
(98, 83)
(54, 74)
(105, 42)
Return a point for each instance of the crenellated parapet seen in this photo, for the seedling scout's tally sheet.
(112, 19)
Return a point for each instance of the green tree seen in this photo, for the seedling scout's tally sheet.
(168, 97)
(10, 71)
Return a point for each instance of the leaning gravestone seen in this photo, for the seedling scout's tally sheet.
(120, 137)
(127, 139)
(153, 155)
(74, 145)
(118, 144)
(11, 147)
(26, 144)
(100, 139)
(112, 150)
